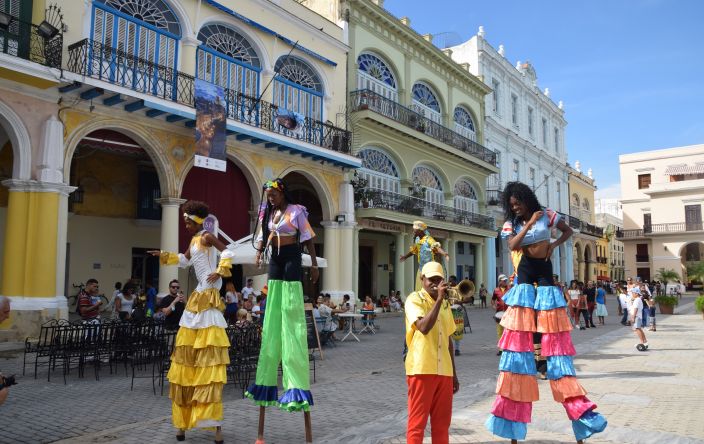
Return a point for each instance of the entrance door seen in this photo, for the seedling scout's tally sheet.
(643, 274)
(693, 217)
(366, 269)
(145, 267)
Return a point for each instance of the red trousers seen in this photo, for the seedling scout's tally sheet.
(429, 395)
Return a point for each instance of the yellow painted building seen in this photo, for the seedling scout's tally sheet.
(418, 120)
(97, 136)
(590, 247)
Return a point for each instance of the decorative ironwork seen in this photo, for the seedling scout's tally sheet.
(229, 42)
(26, 41)
(377, 161)
(92, 59)
(368, 100)
(494, 197)
(463, 118)
(299, 72)
(465, 189)
(386, 200)
(154, 12)
(376, 68)
(427, 178)
(425, 96)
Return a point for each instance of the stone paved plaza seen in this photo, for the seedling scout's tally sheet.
(652, 397)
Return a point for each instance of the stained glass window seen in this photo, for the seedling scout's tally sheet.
(154, 12)
(425, 102)
(464, 124)
(298, 72)
(374, 74)
(379, 170)
(229, 42)
(428, 179)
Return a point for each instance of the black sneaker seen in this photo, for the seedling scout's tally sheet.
(457, 352)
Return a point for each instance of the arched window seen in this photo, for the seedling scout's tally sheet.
(585, 204)
(466, 196)
(428, 179)
(226, 58)
(374, 74)
(379, 170)
(575, 200)
(464, 124)
(426, 102)
(298, 88)
(147, 29)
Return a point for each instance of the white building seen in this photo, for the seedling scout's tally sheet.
(526, 129)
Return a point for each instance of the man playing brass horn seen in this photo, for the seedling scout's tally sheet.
(458, 295)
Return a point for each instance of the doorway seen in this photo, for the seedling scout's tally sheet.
(366, 267)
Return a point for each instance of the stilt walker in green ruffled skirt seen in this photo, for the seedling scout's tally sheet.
(284, 228)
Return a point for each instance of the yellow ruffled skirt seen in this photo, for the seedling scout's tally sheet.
(199, 368)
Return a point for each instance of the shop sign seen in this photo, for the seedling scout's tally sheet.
(380, 225)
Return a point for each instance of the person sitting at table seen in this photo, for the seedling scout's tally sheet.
(327, 312)
(368, 313)
(395, 303)
(385, 303)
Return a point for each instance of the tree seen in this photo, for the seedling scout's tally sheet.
(666, 276)
(696, 272)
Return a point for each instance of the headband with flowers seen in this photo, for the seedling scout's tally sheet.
(275, 184)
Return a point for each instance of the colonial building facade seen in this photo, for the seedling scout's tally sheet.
(418, 124)
(97, 118)
(589, 246)
(662, 192)
(526, 130)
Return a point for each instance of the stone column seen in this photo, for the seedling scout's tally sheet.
(169, 238)
(332, 252)
(355, 260)
(556, 266)
(490, 275)
(400, 267)
(479, 263)
(347, 232)
(452, 251)
(187, 55)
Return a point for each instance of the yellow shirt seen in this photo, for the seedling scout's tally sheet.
(428, 354)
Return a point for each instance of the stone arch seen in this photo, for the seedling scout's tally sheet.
(681, 249)
(267, 65)
(327, 203)
(21, 143)
(141, 135)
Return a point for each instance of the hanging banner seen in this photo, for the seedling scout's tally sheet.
(211, 120)
(291, 121)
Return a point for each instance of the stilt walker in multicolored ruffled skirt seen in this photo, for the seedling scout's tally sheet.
(536, 304)
(200, 358)
(284, 227)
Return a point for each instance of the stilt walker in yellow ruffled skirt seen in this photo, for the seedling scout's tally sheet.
(200, 358)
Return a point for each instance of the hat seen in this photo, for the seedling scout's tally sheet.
(635, 290)
(419, 225)
(265, 290)
(502, 277)
(432, 269)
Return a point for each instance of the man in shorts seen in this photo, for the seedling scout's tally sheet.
(636, 317)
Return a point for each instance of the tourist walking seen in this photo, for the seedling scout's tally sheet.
(196, 378)
(624, 302)
(601, 311)
(284, 229)
(430, 365)
(528, 229)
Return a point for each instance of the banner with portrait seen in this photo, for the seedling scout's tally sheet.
(291, 121)
(211, 121)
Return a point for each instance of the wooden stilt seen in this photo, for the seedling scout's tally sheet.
(260, 432)
(218, 435)
(309, 427)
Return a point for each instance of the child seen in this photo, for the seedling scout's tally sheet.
(636, 316)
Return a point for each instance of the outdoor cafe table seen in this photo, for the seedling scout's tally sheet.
(350, 317)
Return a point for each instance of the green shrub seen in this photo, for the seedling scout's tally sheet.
(699, 303)
(667, 300)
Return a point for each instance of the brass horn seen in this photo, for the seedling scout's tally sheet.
(462, 291)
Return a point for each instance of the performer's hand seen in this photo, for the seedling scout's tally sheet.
(537, 215)
(402, 258)
(212, 277)
(258, 259)
(154, 252)
(442, 290)
(314, 275)
(455, 384)
(551, 247)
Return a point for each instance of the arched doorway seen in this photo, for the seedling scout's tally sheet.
(302, 191)
(6, 164)
(229, 197)
(587, 264)
(114, 218)
(692, 258)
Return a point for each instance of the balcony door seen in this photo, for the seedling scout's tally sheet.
(131, 37)
(14, 40)
(693, 217)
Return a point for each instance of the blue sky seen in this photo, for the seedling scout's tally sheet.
(630, 72)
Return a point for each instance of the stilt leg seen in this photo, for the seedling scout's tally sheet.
(309, 428)
(260, 431)
(218, 435)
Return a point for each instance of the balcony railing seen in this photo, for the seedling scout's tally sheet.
(494, 197)
(95, 60)
(364, 99)
(582, 226)
(373, 198)
(642, 258)
(23, 40)
(625, 234)
(678, 227)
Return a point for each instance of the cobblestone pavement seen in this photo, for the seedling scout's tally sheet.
(360, 393)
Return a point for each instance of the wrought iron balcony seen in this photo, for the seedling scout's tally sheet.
(24, 40)
(365, 99)
(583, 227)
(642, 258)
(95, 60)
(386, 200)
(625, 234)
(677, 227)
(494, 197)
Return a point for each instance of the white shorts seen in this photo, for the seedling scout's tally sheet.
(638, 323)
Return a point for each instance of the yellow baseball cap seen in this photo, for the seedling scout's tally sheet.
(432, 269)
(419, 225)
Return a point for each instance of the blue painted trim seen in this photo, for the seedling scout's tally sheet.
(92, 93)
(134, 106)
(110, 10)
(228, 58)
(154, 113)
(282, 142)
(297, 86)
(71, 87)
(113, 100)
(190, 124)
(174, 118)
(266, 30)
(270, 145)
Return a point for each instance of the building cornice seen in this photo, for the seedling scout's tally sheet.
(35, 186)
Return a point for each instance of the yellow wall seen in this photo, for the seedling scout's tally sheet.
(584, 191)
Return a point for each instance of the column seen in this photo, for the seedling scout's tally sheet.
(505, 258)
(347, 238)
(169, 238)
(568, 268)
(400, 281)
(355, 260)
(452, 251)
(187, 55)
(479, 263)
(410, 265)
(556, 266)
(490, 275)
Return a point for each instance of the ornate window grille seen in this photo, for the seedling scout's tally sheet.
(464, 124)
(425, 101)
(428, 179)
(379, 170)
(298, 88)
(466, 196)
(374, 74)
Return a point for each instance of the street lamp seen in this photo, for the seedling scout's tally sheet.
(46, 30)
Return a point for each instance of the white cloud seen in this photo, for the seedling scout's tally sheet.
(612, 191)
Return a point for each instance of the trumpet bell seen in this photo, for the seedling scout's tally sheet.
(464, 290)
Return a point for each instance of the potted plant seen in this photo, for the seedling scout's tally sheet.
(666, 304)
(361, 193)
(699, 304)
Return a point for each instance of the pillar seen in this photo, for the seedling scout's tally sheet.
(32, 270)
(170, 216)
(490, 275)
(452, 251)
(187, 55)
(400, 283)
(556, 266)
(410, 273)
(355, 259)
(505, 258)
(479, 263)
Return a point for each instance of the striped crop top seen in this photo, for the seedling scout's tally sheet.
(539, 232)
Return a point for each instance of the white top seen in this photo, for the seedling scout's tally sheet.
(574, 294)
(205, 261)
(623, 300)
(230, 298)
(246, 292)
(637, 305)
(125, 304)
(256, 310)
